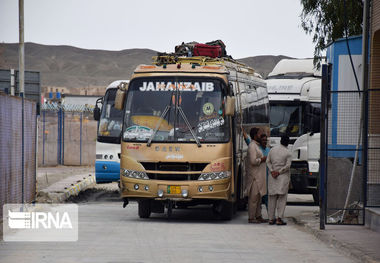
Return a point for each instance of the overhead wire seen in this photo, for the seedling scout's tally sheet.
(348, 46)
(353, 170)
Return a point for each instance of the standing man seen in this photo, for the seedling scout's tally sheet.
(265, 149)
(278, 162)
(256, 181)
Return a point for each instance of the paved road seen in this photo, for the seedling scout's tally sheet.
(109, 233)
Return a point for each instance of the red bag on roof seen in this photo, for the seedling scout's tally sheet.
(207, 50)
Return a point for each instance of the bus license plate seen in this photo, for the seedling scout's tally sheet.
(174, 189)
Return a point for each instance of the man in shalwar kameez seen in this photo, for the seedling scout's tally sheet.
(256, 186)
(278, 161)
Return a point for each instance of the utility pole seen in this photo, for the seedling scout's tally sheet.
(365, 84)
(21, 85)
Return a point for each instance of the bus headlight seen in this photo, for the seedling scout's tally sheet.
(214, 176)
(134, 174)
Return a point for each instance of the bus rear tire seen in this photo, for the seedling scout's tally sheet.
(144, 208)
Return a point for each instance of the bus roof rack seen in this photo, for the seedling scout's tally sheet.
(164, 58)
(184, 55)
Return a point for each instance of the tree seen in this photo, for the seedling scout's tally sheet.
(329, 20)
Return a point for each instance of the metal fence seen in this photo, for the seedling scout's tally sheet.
(343, 153)
(373, 178)
(14, 186)
(67, 135)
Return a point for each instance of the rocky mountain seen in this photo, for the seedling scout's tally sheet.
(76, 68)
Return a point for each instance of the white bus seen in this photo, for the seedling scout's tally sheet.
(294, 88)
(107, 164)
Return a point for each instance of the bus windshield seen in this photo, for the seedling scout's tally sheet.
(285, 119)
(110, 122)
(175, 109)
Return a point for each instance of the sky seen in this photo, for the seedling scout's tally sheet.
(247, 27)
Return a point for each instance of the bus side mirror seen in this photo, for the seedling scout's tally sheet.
(96, 113)
(230, 88)
(316, 120)
(120, 95)
(97, 109)
(230, 106)
(119, 99)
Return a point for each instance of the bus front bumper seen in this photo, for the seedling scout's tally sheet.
(303, 183)
(175, 190)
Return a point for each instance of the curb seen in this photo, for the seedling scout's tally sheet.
(330, 240)
(75, 189)
(72, 190)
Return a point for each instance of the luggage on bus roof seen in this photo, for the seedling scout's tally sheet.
(213, 49)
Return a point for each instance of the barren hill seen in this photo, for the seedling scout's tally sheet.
(262, 64)
(76, 68)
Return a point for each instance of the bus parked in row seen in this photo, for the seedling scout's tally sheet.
(182, 142)
(110, 122)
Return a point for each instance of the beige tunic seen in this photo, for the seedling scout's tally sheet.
(255, 169)
(279, 159)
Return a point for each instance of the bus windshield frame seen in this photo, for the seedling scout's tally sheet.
(110, 122)
(286, 118)
(297, 118)
(162, 109)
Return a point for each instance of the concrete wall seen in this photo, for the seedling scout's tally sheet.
(47, 139)
(338, 180)
(78, 141)
(80, 100)
(79, 148)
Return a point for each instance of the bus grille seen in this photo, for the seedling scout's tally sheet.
(197, 168)
(174, 177)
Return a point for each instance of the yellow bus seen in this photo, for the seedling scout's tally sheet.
(182, 143)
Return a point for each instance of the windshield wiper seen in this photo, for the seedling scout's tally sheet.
(158, 125)
(189, 126)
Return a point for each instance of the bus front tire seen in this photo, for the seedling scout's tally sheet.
(316, 196)
(224, 209)
(144, 208)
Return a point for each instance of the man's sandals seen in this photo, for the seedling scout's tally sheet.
(278, 222)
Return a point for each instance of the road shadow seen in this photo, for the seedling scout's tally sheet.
(298, 203)
(95, 195)
(200, 214)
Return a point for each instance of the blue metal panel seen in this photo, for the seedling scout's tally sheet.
(80, 139)
(107, 171)
(334, 50)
